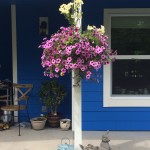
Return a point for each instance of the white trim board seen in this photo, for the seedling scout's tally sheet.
(122, 101)
(14, 51)
(14, 43)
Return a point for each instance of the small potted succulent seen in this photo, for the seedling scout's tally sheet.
(52, 94)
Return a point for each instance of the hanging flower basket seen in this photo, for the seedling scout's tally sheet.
(71, 49)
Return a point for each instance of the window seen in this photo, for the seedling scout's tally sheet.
(127, 80)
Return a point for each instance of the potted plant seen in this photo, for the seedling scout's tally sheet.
(65, 124)
(38, 123)
(52, 94)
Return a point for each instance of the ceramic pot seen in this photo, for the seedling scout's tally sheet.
(65, 124)
(38, 123)
(53, 120)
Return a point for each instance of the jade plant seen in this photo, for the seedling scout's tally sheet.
(52, 94)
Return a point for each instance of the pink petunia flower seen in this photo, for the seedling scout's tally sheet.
(51, 75)
(53, 61)
(56, 69)
(88, 76)
(69, 59)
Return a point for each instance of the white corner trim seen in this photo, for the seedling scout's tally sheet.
(14, 51)
(14, 43)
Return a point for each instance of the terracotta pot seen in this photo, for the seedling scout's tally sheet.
(38, 123)
(54, 120)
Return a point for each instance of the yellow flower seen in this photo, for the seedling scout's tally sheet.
(78, 1)
(61, 74)
(102, 30)
(72, 16)
(79, 15)
(64, 9)
(70, 4)
(90, 27)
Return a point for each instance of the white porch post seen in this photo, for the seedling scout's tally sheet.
(14, 49)
(76, 114)
(77, 107)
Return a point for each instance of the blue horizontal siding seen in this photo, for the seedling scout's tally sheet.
(92, 96)
(92, 87)
(117, 125)
(95, 116)
(97, 106)
(116, 116)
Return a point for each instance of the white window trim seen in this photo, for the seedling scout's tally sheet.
(122, 101)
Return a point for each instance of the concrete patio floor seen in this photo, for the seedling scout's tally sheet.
(49, 138)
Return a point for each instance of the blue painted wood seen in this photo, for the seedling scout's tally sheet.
(5, 41)
(91, 96)
(115, 116)
(117, 125)
(92, 86)
(29, 56)
(95, 117)
(98, 107)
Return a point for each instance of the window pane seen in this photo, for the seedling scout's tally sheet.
(131, 35)
(131, 77)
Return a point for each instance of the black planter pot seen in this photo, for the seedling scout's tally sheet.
(54, 120)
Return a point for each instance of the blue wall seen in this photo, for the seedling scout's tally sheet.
(5, 41)
(28, 40)
(29, 56)
(95, 117)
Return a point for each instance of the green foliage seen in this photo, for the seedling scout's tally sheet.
(52, 94)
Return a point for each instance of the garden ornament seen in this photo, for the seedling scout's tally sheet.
(104, 145)
(105, 142)
(89, 147)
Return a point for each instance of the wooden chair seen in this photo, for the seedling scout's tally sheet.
(23, 90)
(6, 92)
